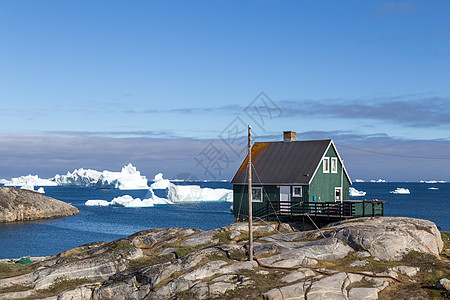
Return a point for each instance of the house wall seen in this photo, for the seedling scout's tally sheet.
(323, 184)
(240, 200)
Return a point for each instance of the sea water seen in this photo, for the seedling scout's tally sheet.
(48, 237)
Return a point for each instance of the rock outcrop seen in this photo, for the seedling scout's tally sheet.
(192, 264)
(24, 205)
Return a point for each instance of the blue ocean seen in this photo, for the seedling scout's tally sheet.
(94, 223)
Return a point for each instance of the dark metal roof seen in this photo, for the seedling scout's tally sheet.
(283, 162)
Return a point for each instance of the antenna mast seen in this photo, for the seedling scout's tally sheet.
(250, 192)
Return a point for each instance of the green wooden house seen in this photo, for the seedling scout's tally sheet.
(293, 178)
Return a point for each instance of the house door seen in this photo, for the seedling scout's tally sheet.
(285, 199)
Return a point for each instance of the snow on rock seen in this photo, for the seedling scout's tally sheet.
(193, 193)
(127, 179)
(400, 191)
(355, 193)
(79, 177)
(29, 180)
(160, 183)
(129, 201)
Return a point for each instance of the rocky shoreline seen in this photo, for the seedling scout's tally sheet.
(26, 205)
(367, 258)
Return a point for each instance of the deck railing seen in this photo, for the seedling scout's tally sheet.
(348, 208)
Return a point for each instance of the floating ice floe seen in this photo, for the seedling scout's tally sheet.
(29, 180)
(129, 201)
(359, 180)
(355, 193)
(433, 188)
(400, 191)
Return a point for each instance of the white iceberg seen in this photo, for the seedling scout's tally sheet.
(128, 201)
(194, 193)
(29, 180)
(378, 181)
(400, 191)
(433, 188)
(359, 180)
(79, 177)
(127, 179)
(355, 193)
(159, 182)
(433, 181)
(30, 187)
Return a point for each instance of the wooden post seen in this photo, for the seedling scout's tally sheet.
(250, 208)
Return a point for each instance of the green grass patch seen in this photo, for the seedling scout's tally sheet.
(15, 288)
(149, 260)
(58, 286)
(223, 237)
(122, 244)
(446, 239)
(7, 269)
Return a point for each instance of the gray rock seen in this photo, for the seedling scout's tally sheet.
(362, 254)
(331, 287)
(16, 295)
(359, 263)
(443, 284)
(220, 288)
(149, 238)
(24, 205)
(309, 253)
(207, 270)
(80, 293)
(389, 238)
(405, 270)
(201, 290)
(202, 238)
(97, 268)
(297, 275)
(264, 248)
(123, 289)
(378, 283)
(363, 294)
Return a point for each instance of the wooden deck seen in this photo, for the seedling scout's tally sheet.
(322, 210)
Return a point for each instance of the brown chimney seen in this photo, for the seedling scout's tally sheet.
(289, 136)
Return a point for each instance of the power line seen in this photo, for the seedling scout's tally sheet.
(397, 155)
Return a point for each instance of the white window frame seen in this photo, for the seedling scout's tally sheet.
(293, 191)
(335, 190)
(260, 190)
(334, 165)
(326, 165)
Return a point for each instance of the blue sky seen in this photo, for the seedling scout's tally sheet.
(98, 84)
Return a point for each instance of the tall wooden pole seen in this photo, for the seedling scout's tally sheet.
(250, 208)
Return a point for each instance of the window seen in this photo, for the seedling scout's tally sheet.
(326, 165)
(338, 194)
(257, 194)
(297, 191)
(334, 165)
